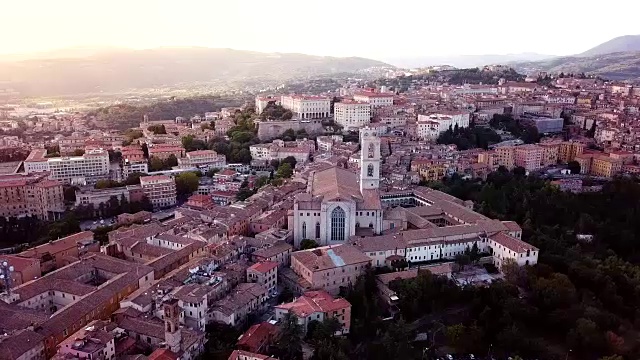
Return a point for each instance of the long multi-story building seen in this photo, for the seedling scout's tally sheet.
(307, 107)
(31, 195)
(374, 99)
(569, 150)
(36, 161)
(352, 114)
(160, 190)
(528, 156)
(205, 159)
(85, 169)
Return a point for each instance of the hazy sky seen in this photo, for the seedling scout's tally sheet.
(373, 28)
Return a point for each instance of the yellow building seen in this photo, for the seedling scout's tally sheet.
(605, 166)
(506, 156)
(568, 151)
(598, 165)
(550, 153)
(434, 172)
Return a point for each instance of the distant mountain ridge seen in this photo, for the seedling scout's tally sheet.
(463, 61)
(626, 43)
(123, 69)
(615, 66)
(616, 59)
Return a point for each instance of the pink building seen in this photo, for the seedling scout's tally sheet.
(528, 156)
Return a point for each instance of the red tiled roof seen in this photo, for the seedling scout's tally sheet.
(511, 243)
(314, 301)
(264, 266)
(257, 336)
(163, 354)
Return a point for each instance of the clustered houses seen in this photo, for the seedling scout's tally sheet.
(156, 285)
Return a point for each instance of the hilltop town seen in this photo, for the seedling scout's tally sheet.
(267, 219)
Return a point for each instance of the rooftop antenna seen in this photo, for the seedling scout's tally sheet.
(5, 274)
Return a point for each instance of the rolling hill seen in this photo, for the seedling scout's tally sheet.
(615, 66)
(626, 43)
(124, 69)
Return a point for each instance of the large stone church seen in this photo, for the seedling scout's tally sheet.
(340, 203)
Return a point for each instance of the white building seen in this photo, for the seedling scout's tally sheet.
(374, 99)
(130, 167)
(160, 189)
(434, 124)
(36, 161)
(338, 204)
(307, 107)
(352, 114)
(85, 169)
(203, 159)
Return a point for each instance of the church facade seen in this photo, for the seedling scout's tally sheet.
(340, 203)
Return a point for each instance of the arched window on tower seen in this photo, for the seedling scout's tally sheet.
(370, 170)
(317, 230)
(337, 224)
(372, 150)
(304, 230)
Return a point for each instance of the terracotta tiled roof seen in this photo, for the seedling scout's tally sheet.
(512, 243)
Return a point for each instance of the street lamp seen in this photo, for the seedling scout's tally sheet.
(5, 274)
(568, 352)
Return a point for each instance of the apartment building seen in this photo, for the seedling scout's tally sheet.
(568, 151)
(374, 99)
(506, 156)
(264, 273)
(204, 159)
(352, 114)
(160, 190)
(597, 164)
(31, 195)
(329, 267)
(528, 156)
(85, 169)
(317, 306)
(307, 107)
(550, 153)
